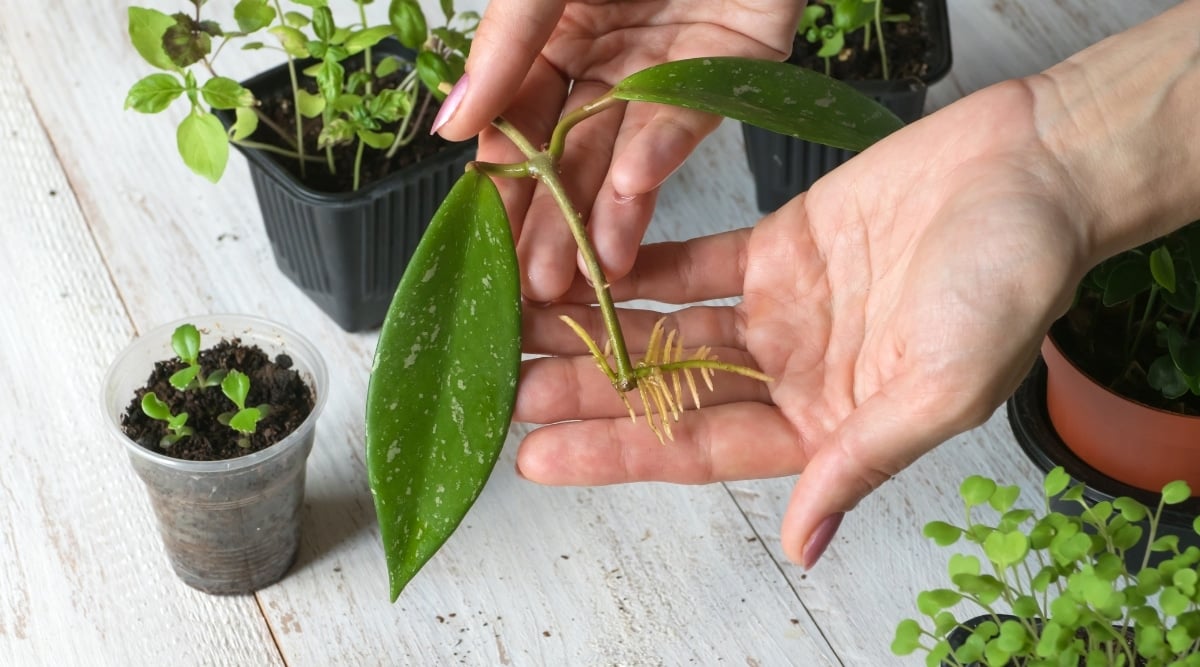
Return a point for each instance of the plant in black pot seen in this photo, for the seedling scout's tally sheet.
(1116, 397)
(891, 51)
(337, 137)
(1056, 589)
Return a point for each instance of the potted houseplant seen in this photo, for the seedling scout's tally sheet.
(444, 379)
(220, 436)
(1059, 589)
(337, 137)
(891, 51)
(1116, 397)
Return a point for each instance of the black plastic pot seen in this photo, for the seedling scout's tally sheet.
(347, 251)
(1035, 434)
(784, 166)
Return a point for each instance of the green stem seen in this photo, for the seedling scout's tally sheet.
(280, 130)
(543, 166)
(407, 86)
(291, 63)
(883, 58)
(277, 150)
(515, 170)
(714, 364)
(358, 154)
(367, 64)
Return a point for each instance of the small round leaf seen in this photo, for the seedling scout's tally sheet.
(203, 144)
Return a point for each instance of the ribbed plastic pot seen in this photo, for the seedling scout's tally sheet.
(784, 166)
(232, 526)
(347, 251)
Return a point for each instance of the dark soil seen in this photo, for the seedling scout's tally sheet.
(1092, 336)
(908, 46)
(272, 382)
(278, 106)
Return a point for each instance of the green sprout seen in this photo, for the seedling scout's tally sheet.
(831, 20)
(155, 408)
(186, 343)
(236, 386)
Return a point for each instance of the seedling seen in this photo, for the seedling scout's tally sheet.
(236, 386)
(177, 426)
(354, 105)
(829, 21)
(444, 381)
(1060, 591)
(186, 343)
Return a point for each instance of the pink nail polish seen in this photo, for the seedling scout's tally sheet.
(819, 540)
(450, 104)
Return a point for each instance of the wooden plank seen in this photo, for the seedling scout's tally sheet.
(83, 574)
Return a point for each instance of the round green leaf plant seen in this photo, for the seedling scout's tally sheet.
(1054, 589)
(444, 380)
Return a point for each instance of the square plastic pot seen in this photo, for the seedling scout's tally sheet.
(230, 526)
(347, 251)
(784, 166)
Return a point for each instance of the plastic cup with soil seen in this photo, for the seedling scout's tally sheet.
(228, 505)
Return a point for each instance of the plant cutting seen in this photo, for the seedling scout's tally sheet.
(444, 379)
(223, 463)
(1055, 589)
(1113, 401)
(891, 51)
(346, 173)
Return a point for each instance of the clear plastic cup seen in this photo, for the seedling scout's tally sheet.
(229, 526)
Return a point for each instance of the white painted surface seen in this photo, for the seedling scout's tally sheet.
(104, 233)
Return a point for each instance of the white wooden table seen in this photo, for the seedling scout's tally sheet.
(103, 234)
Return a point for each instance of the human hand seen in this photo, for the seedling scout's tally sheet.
(897, 303)
(532, 60)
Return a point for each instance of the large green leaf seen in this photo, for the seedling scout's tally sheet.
(444, 382)
(779, 97)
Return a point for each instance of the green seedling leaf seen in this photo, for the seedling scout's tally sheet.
(908, 637)
(146, 29)
(245, 420)
(776, 96)
(183, 378)
(433, 70)
(376, 140)
(295, 19)
(1185, 354)
(942, 533)
(245, 123)
(1165, 377)
(293, 42)
(1176, 492)
(1131, 509)
(188, 41)
(408, 21)
(322, 24)
(976, 490)
(252, 15)
(225, 93)
(364, 39)
(155, 408)
(310, 104)
(154, 93)
(444, 381)
(203, 145)
(1162, 268)
(236, 386)
(387, 66)
(1006, 549)
(1056, 481)
(185, 341)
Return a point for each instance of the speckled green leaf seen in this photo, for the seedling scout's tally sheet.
(444, 382)
(779, 97)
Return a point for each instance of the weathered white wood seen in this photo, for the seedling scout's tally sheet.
(83, 578)
(643, 574)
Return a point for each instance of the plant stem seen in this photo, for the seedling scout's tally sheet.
(358, 154)
(279, 129)
(543, 167)
(367, 64)
(291, 63)
(277, 150)
(402, 139)
(883, 58)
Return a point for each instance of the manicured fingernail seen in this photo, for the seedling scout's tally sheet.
(819, 540)
(450, 104)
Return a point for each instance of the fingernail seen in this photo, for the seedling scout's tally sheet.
(819, 540)
(450, 104)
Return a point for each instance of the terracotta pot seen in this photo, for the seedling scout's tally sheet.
(1131, 442)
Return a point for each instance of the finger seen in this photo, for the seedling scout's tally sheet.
(653, 143)
(510, 36)
(718, 443)
(709, 267)
(884, 435)
(534, 111)
(554, 389)
(547, 249)
(543, 331)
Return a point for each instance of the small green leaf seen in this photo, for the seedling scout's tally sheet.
(776, 96)
(187, 41)
(330, 76)
(310, 104)
(146, 29)
(225, 93)
(1004, 498)
(291, 40)
(253, 15)
(1176, 492)
(322, 23)
(182, 379)
(908, 637)
(1165, 377)
(444, 381)
(1006, 549)
(185, 341)
(236, 386)
(153, 93)
(1162, 268)
(361, 40)
(408, 21)
(296, 19)
(203, 144)
(1056, 480)
(245, 420)
(976, 490)
(933, 601)
(1131, 509)
(245, 123)
(155, 408)
(387, 66)
(432, 69)
(942, 533)
(376, 140)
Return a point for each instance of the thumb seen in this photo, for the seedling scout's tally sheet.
(885, 434)
(510, 36)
